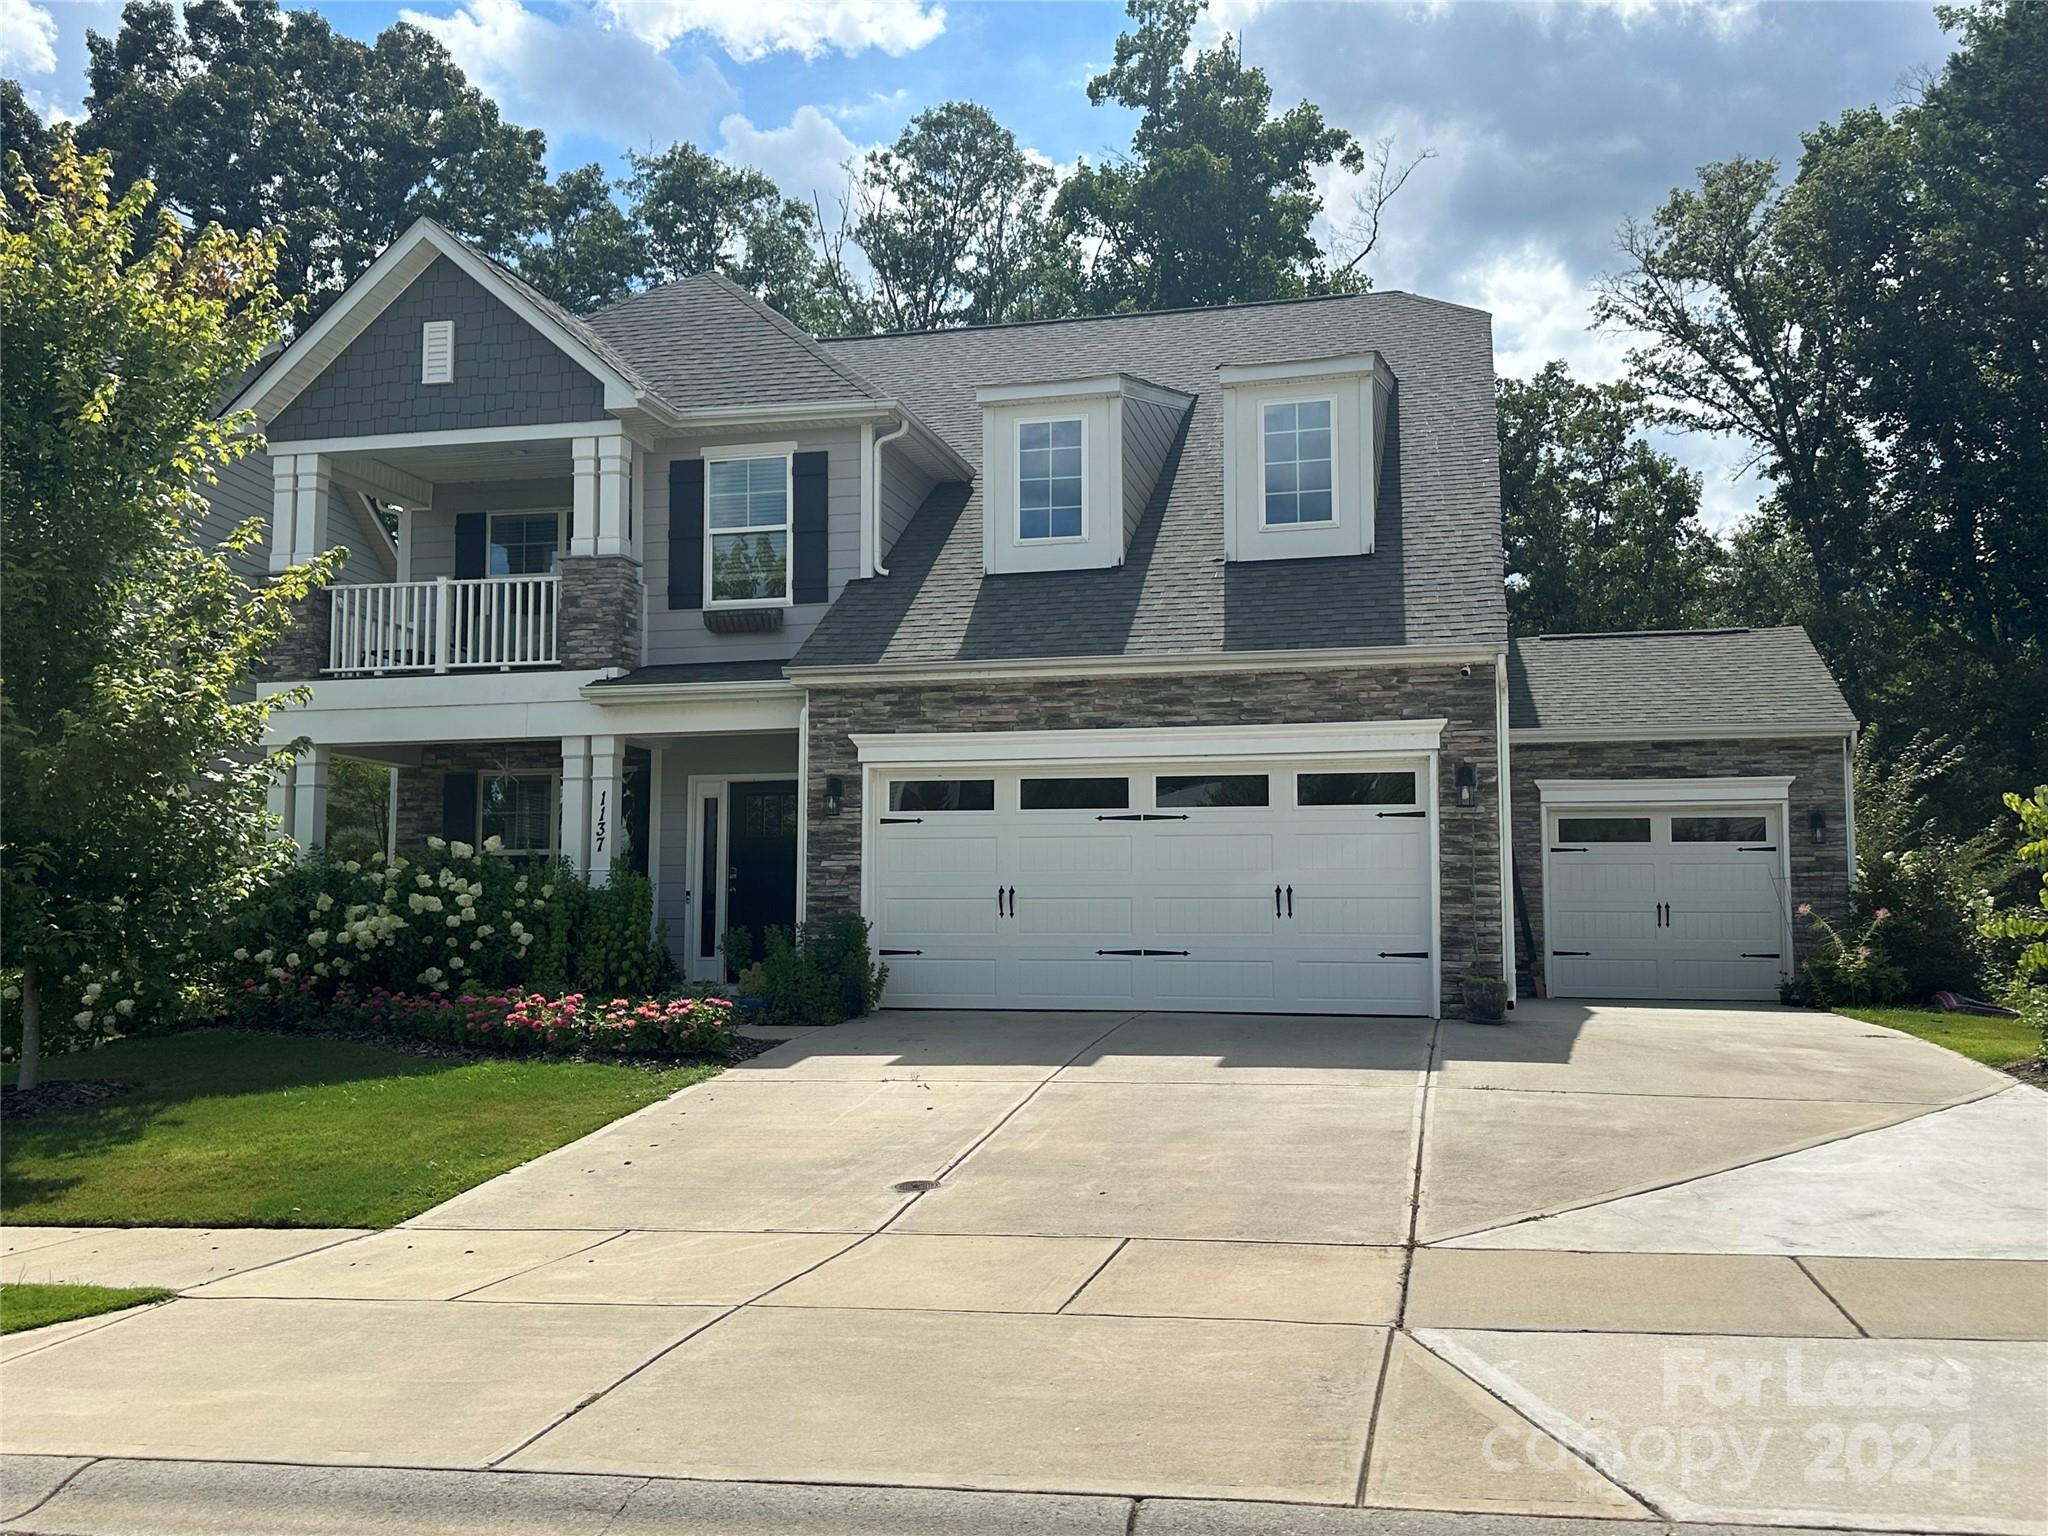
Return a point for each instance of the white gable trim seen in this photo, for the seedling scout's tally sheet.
(1772, 789)
(394, 270)
(1149, 744)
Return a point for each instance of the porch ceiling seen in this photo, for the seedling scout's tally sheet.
(454, 463)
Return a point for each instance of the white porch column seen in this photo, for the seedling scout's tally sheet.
(300, 485)
(576, 802)
(309, 798)
(278, 800)
(607, 803)
(603, 514)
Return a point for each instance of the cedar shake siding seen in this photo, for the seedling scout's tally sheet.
(1470, 936)
(506, 372)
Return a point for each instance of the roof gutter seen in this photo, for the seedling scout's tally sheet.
(871, 489)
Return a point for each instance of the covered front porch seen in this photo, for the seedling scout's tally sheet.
(698, 792)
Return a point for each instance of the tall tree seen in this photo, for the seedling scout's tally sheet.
(1872, 330)
(588, 251)
(23, 130)
(1215, 201)
(1600, 530)
(132, 778)
(697, 213)
(955, 223)
(258, 118)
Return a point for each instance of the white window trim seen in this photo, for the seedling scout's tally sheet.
(554, 779)
(745, 451)
(1336, 517)
(561, 515)
(1017, 427)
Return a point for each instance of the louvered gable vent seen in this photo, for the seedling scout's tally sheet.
(437, 352)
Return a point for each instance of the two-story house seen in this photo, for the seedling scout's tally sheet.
(1152, 660)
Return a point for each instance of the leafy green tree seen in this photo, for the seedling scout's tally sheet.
(358, 809)
(1600, 530)
(132, 778)
(1215, 201)
(23, 130)
(696, 213)
(259, 118)
(588, 251)
(1872, 331)
(2026, 921)
(954, 220)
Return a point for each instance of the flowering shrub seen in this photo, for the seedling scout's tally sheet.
(514, 1022)
(1845, 969)
(451, 918)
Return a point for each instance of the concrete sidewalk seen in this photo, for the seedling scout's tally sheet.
(1315, 1262)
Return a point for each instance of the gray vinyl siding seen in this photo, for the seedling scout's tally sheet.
(1148, 437)
(244, 491)
(433, 528)
(709, 757)
(678, 635)
(904, 488)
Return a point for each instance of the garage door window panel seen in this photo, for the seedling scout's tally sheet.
(1074, 794)
(935, 795)
(1212, 791)
(1603, 829)
(1325, 789)
(1718, 829)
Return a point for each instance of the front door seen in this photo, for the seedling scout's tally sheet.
(760, 888)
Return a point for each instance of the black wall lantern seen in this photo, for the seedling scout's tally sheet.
(1817, 824)
(835, 794)
(1467, 782)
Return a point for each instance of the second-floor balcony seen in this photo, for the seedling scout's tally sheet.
(445, 625)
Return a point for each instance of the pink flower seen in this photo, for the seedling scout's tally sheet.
(1805, 909)
(1882, 913)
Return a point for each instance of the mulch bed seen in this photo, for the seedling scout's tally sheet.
(54, 1098)
(408, 1045)
(2034, 1070)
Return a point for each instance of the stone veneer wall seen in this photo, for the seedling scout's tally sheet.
(1820, 875)
(1469, 840)
(599, 617)
(419, 789)
(301, 652)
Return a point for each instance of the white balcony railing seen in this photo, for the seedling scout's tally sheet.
(445, 625)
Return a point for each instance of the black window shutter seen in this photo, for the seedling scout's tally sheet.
(472, 534)
(458, 807)
(686, 533)
(809, 577)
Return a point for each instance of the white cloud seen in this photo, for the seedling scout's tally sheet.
(579, 75)
(1540, 312)
(877, 104)
(28, 38)
(805, 157)
(753, 29)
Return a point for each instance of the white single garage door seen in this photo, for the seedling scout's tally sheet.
(1686, 902)
(1242, 888)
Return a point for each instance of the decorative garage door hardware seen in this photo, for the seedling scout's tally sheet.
(1663, 914)
(1773, 955)
(1144, 952)
(1568, 850)
(1383, 815)
(1404, 954)
(886, 952)
(1582, 953)
(1012, 908)
(1145, 816)
(1759, 848)
(897, 821)
(1290, 901)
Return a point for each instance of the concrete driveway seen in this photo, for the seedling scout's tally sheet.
(1705, 1264)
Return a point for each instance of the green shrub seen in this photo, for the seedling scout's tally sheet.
(1935, 913)
(824, 973)
(1845, 970)
(2026, 926)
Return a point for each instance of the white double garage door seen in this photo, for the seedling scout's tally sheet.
(1250, 886)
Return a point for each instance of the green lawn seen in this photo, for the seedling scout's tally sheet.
(33, 1306)
(1995, 1042)
(230, 1128)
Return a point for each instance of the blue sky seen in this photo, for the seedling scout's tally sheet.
(1550, 121)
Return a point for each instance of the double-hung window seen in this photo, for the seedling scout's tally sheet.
(519, 810)
(524, 543)
(1048, 480)
(746, 530)
(1295, 449)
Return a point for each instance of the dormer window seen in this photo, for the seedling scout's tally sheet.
(1303, 442)
(1296, 444)
(1068, 468)
(1050, 498)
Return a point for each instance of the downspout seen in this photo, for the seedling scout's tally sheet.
(1848, 803)
(875, 492)
(1502, 793)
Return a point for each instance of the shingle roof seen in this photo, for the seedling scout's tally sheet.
(671, 673)
(1768, 679)
(706, 341)
(1434, 578)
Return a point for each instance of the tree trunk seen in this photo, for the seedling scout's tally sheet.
(31, 1029)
